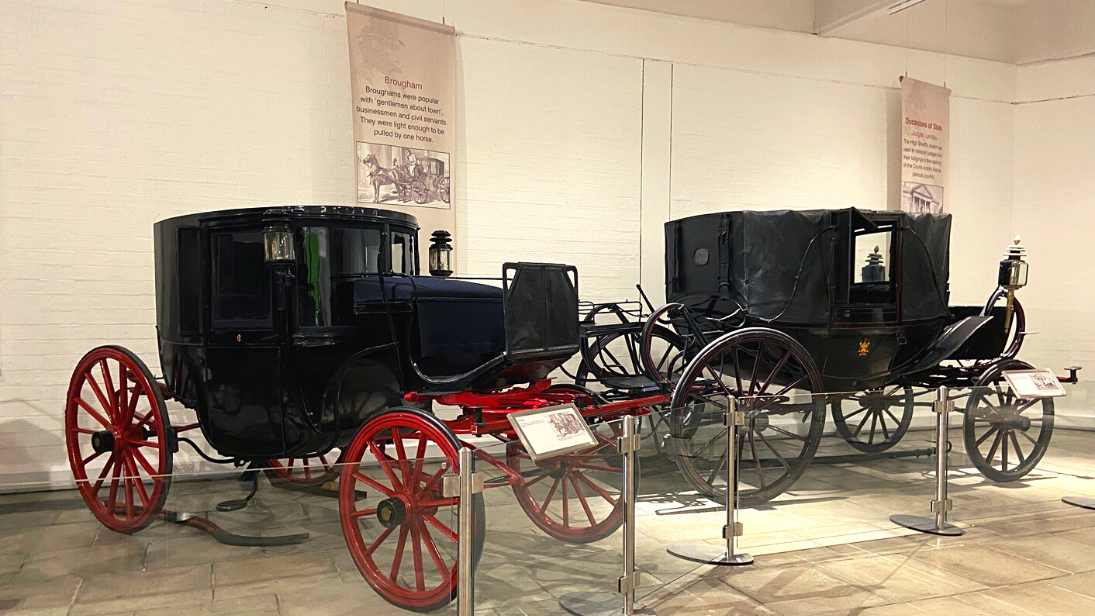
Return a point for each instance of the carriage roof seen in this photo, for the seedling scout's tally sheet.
(182, 268)
(262, 215)
(799, 266)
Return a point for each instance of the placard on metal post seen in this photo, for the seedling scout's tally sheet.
(608, 604)
(937, 524)
(464, 486)
(713, 554)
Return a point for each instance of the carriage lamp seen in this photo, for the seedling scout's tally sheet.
(278, 244)
(1012, 276)
(440, 253)
(874, 271)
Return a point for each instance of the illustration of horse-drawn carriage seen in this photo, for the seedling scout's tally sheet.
(421, 181)
(302, 336)
(793, 311)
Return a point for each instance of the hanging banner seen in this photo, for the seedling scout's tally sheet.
(403, 82)
(925, 136)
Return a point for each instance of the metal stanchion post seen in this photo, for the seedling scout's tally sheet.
(607, 604)
(936, 525)
(465, 486)
(711, 554)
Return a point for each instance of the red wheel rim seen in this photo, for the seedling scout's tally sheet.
(310, 471)
(111, 393)
(576, 497)
(398, 456)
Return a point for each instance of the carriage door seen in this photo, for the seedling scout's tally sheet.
(865, 337)
(243, 390)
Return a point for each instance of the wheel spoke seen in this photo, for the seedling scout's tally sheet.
(383, 460)
(786, 433)
(402, 459)
(102, 475)
(756, 369)
(551, 493)
(95, 414)
(861, 424)
(600, 492)
(987, 434)
(139, 457)
(718, 467)
(361, 512)
(1028, 437)
(379, 540)
(372, 483)
(851, 415)
(772, 374)
(582, 499)
(882, 424)
(995, 444)
(566, 502)
(112, 494)
(1004, 452)
(756, 460)
(397, 560)
(113, 412)
(432, 550)
(445, 530)
(778, 456)
(1018, 451)
(88, 459)
(874, 424)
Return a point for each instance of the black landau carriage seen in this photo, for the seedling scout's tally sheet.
(304, 335)
(779, 307)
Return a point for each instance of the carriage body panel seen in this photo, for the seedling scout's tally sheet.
(805, 273)
(264, 350)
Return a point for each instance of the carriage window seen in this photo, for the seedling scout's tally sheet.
(333, 259)
(402, 253)
(872, 271)
(241, 282)
(872, 257)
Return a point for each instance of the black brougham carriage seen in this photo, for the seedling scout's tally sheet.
(791, 310)
(295, 333)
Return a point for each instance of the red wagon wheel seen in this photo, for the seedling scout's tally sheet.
(117, 429)
(577, 497)
(401, 532)
(310, 471)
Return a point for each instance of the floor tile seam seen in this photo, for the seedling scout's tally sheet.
(1031, 560)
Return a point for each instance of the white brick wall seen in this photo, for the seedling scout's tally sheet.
(117, 113)
(552, 145)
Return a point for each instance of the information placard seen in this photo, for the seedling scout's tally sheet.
(1032, 384)
(552, 431)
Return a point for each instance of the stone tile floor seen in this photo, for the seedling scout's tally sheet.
(825, 547)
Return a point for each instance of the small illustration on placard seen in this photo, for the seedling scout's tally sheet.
(1045, 382)
(566, 424)
(920, 198)
(396, 174)
(1033, 384)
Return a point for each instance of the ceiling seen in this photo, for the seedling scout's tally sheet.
(1012, 31)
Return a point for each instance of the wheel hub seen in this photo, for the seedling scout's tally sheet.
(391, 512)
(757, 421)
(1018, 422)
(102, 441)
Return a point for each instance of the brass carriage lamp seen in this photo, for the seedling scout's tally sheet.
(1012, 276)
(278, 244)
(440, 253)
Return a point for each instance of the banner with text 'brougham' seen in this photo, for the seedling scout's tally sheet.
(925, 140)
(403, 79)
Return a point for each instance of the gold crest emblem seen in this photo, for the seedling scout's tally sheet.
(864, 346)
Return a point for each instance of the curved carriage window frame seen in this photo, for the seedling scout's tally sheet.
(330, 238)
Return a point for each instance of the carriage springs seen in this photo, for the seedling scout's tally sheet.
(400, 115)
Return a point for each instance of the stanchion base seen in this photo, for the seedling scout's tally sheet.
(926, 525)
(708, 554)
(597, 604)
(1079, 501)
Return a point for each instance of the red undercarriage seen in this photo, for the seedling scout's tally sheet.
(487, 413)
